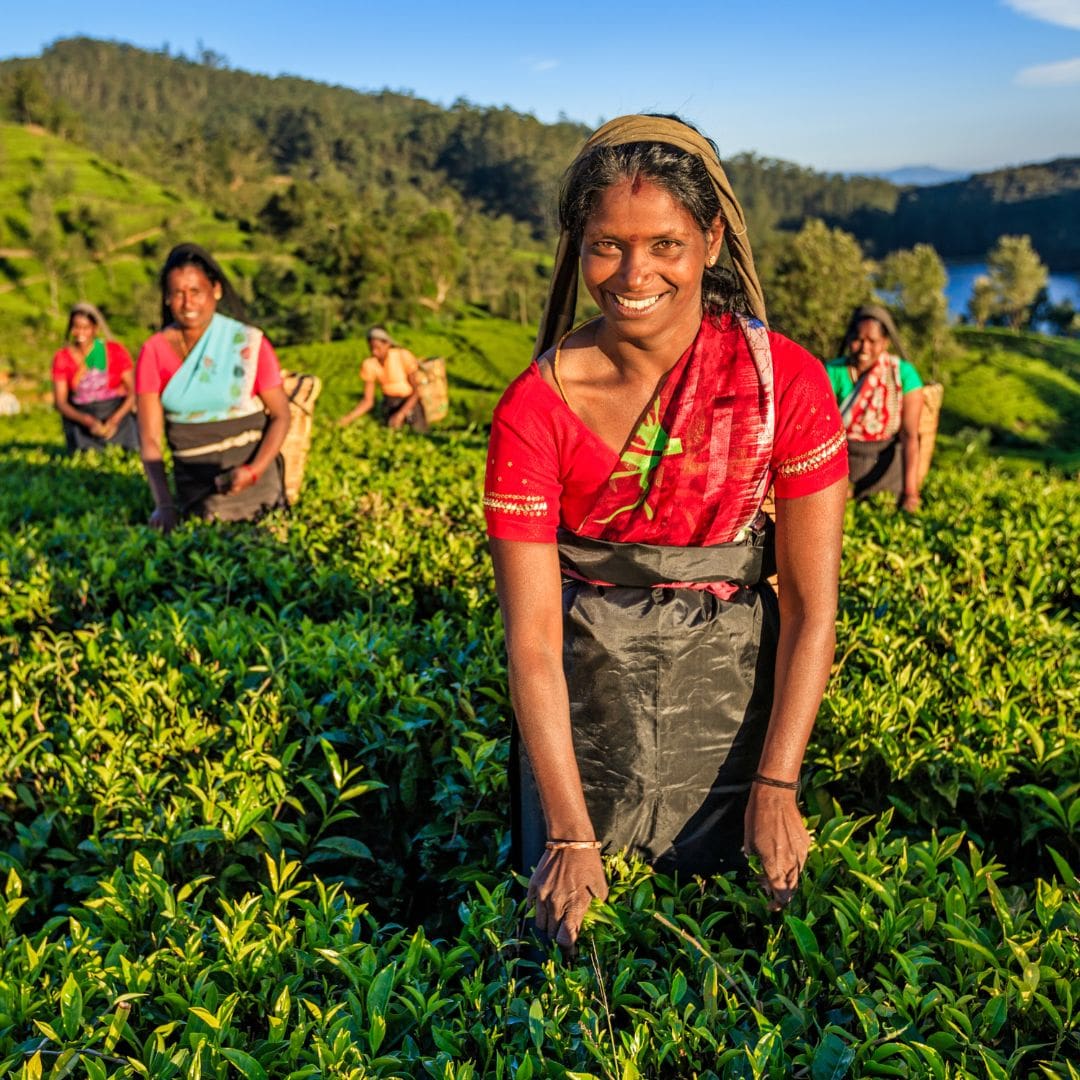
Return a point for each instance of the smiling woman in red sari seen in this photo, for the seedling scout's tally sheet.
(663, 702)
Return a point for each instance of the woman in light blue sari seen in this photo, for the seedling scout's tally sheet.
(210, 386)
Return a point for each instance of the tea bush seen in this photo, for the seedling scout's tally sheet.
(252, 789)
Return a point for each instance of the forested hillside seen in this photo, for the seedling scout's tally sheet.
(234, 136)
(963, 219)
(336, 208)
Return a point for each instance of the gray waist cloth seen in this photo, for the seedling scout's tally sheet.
(874, 467)
(78, 438)
(204, 454)
(670, 695)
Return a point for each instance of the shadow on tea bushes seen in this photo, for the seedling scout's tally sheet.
(897, 958)
(252, 783)
(955, 689)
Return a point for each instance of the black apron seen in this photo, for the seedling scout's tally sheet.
(415, 418)
(203, 456)
(670, 696)
(876, 466)
(78, 438)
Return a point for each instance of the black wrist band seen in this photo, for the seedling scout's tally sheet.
(768, 781)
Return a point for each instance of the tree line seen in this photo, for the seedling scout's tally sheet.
(815, 279)
(392, 208)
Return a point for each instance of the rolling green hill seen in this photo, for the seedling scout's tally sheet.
(75, 225)
(482, 356)
(1022, 389)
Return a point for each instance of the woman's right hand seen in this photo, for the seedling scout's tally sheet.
(164, 518)
(563, 885)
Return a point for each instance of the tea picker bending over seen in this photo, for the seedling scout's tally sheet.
(210, 386)
(663, 702)
(394, 369)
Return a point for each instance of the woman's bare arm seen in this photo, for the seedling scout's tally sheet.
(808, 538)
(365, 405)
(127, 385)
(276, 403)
(151, 442)
(62, 401)
(529, 584)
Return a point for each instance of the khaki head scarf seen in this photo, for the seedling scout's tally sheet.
(881, 314)
(84, 307)
(558, 315)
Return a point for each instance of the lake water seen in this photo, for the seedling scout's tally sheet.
(962, 276)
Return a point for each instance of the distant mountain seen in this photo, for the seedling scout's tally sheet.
(920, 175)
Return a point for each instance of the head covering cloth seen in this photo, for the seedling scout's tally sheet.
(378, 333)
(558, 317)
(881, 315)
(101, 327)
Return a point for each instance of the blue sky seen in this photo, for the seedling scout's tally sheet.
(960, 84)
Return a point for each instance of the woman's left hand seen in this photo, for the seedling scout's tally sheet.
(774, 830)
(243, 477)
(397, 421)
(910, 502)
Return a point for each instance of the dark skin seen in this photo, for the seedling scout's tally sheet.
(642, 260)
(380, 349)
(81, 341)
(869, 343)
(193, 298)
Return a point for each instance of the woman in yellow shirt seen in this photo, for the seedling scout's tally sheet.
(395, 369)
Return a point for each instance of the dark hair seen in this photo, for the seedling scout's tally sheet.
(192, 255)
(85, 314)
(681, 174)
(853, 331)
(871, 313)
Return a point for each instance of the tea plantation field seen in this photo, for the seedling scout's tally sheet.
(252, 799)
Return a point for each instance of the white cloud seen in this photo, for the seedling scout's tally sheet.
(1059, 73)
(1059, 12)
(543, 65)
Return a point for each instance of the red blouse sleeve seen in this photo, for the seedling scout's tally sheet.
(810, 448)
(149, 376)
(118, 360)
(268, 369)
(523, 486)
(63, 366)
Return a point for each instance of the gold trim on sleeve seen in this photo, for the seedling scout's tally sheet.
(812, 459)
(522, 505)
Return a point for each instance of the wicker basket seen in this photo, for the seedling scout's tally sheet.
(302, 392)
(928, 426)
(434, 389)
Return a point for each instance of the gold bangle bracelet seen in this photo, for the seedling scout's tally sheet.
(576, 845)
